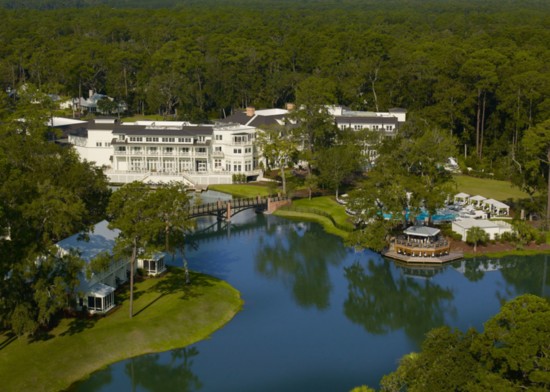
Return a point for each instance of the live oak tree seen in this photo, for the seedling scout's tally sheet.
(147, 219)
(536, 166)
(279, 147)
(408, 176)
(339, 161)
(511, 353)
(46, 194)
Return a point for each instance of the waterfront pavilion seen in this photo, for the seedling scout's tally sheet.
(421, 241)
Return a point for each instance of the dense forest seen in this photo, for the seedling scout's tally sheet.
(478, 70)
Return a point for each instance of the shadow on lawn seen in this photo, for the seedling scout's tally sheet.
(173, 283)
(9, 338)
(80, 324)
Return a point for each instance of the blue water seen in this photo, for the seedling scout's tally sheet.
(318, 316)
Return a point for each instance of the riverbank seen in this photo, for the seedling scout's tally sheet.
(168, 315)
(306, 211)
(498, 249)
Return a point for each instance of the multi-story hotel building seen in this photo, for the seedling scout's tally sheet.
(164, 151)
(199, 155)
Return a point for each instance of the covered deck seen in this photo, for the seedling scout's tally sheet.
(422, 244)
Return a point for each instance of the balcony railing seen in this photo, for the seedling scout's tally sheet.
(422, 249)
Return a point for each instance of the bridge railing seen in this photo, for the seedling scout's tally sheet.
(221, 205)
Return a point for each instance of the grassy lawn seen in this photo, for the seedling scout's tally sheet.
(326, 204)
(168, 315)
(242, 190)
(491, 189)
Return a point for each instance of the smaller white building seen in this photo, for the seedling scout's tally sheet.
(96, 289)
(492, 228)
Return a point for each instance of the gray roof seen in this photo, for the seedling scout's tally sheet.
(136, 130)
(422, 231)
(101, 239)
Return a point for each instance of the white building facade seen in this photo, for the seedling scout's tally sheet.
(169, 151)
(198, 155)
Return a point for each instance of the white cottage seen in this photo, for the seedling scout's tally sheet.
(96, 292)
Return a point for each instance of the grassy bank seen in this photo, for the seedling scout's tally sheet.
(508, 252)
(168, 315)
(242, 190)
(305, 209)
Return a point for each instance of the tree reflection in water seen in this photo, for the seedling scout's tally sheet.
(149, 373)
(300, 258)
(523, 275)
(382, 302)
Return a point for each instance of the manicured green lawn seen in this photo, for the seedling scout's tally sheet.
(491, 189)
(328, 205)
(167, 315)
(242, 190)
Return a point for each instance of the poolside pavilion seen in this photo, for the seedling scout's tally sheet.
(422, 244)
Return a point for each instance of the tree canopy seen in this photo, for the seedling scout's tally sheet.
(46, 195)
(511, 353)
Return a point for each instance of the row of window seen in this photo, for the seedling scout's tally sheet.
(374, 127)
(103, 144)
(171, 150)
(165, 150)
(188, 140)
(185, 165)
(247, 150)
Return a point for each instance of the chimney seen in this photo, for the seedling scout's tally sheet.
(250, 111)
(290, 106)
(90, 93)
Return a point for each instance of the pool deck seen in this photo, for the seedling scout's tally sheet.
(456, 255)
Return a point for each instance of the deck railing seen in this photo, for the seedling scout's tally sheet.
(425, 249)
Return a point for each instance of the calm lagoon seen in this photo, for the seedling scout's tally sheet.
(318, 316)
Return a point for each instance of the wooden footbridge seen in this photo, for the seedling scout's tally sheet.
(225, 209)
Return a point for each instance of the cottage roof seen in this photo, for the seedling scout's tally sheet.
(89, 246)
(422, 231)
(100, 290)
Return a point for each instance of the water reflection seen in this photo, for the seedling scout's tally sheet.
(302, 266)
(373, 311)
(382, 301)
(148, 372)
(97, 382)
(532, 276)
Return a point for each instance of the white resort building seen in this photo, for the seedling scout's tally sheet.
(165, 151)
(199, 155)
